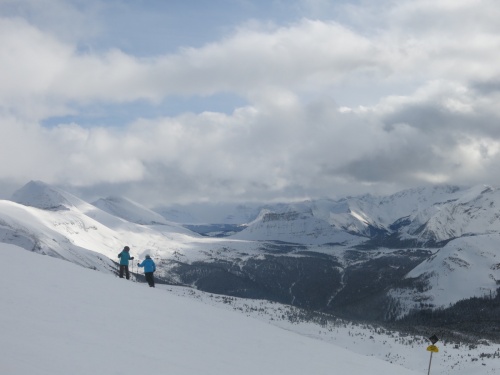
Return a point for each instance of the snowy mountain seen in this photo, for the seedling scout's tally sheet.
(294, 226)
(48, 220)
(40, 195)
(320, 221)
(474, 212)
(367, 257)
(465, 267)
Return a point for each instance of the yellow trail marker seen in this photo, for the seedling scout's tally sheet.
(433, 348)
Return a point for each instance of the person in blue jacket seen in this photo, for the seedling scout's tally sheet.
(124, 259)
(149, 267)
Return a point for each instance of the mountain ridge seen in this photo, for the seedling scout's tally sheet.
(352, 257)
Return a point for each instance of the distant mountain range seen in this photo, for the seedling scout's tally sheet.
(366, 257)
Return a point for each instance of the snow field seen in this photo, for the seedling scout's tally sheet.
(59, 318)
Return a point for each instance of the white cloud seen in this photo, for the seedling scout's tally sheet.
(420, 80)
(310, 53)
(306, 56)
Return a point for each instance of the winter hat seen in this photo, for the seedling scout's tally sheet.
(126, 248)
(148, 257)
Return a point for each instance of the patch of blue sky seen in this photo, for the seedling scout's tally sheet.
(146, 28)
(121, 114)
(158, 27)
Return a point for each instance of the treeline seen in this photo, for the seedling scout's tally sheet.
(474, 317)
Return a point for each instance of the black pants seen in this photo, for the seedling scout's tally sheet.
(124, 269)
(150, 279)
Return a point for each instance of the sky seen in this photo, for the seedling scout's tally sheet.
(235, 100)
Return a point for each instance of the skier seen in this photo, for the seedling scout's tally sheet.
(124, 259)
(149, 267)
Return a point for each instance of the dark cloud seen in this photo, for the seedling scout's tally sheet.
(401, 165)
(487, 87)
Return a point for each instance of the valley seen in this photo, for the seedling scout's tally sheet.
(385, 260)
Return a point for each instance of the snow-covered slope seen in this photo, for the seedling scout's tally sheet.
(48, 220)
(476, 211)
(294, 226)
(65, 234)
(62, 319)
(41, 195)
(316, 221)
(464, 268)
(409, 203)
(51, 221)
(129, 210)
(409, 351)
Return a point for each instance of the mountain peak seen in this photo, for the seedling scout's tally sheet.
(41, 195)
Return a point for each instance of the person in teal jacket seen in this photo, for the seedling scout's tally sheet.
(124, 259)
(149, 267)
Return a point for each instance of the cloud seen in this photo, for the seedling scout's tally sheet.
(304, 56)
(398, 95)
(43, 68)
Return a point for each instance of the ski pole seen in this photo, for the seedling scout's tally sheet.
(137, 270)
